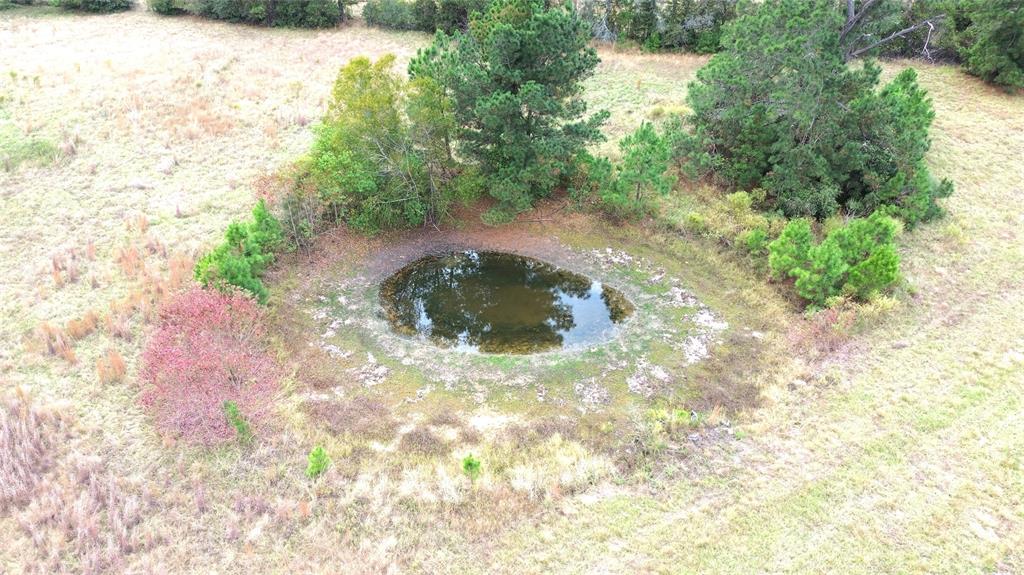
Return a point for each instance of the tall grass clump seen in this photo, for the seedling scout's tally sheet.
(29, 436)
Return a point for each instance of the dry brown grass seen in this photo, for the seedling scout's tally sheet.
(86, 520)
(360, 416)
(117, 322)
(129, 259)
(81, 327)
(111, 367)
(56, 342)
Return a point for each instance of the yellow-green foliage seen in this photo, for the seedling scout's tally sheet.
(382, 157)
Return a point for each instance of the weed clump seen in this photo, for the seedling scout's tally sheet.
(238, 422)
(29, 435)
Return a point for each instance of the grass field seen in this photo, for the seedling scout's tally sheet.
(129, 142)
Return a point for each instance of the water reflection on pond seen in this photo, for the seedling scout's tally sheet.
(500, 303)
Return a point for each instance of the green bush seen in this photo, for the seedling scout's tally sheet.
(454, 15)
(289, 13)
(858, 260)
(98, 6)
(166, 7)
(992, 44)
(760, 119)
(395, 14)
(247, 250)
(643, 170)
(317, 462)
(425, 14)
(516, 84)
(791, 250)
(695, 25)
(382, 157)
(755, 241)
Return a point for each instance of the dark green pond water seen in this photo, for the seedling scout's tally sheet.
(497, 302)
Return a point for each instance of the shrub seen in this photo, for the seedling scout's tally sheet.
(515, 79)
(759, 119)
(644, 167)
(396, 14)
(317, 462)
(992, 45)
(791, 251)
(207, 349)
(292, 13)
(95, 5)
(243, 257)
(166, 7)
(471, 467)
(425, 14)
(454, 15)
(695, 25)
(755, 241)
(382, 157)
(858, 259)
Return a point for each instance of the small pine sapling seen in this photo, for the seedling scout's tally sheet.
(237, 421)
(471, 467)
(317, 462)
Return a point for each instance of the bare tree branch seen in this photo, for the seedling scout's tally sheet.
(929, 23)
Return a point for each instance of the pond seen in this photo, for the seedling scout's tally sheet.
(496, 302)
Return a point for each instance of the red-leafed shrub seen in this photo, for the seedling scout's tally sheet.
(207, 349)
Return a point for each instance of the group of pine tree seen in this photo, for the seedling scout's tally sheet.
(786, 109)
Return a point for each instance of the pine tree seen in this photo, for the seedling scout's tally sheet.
(780, 109)
(995, 41)
(515, 79)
